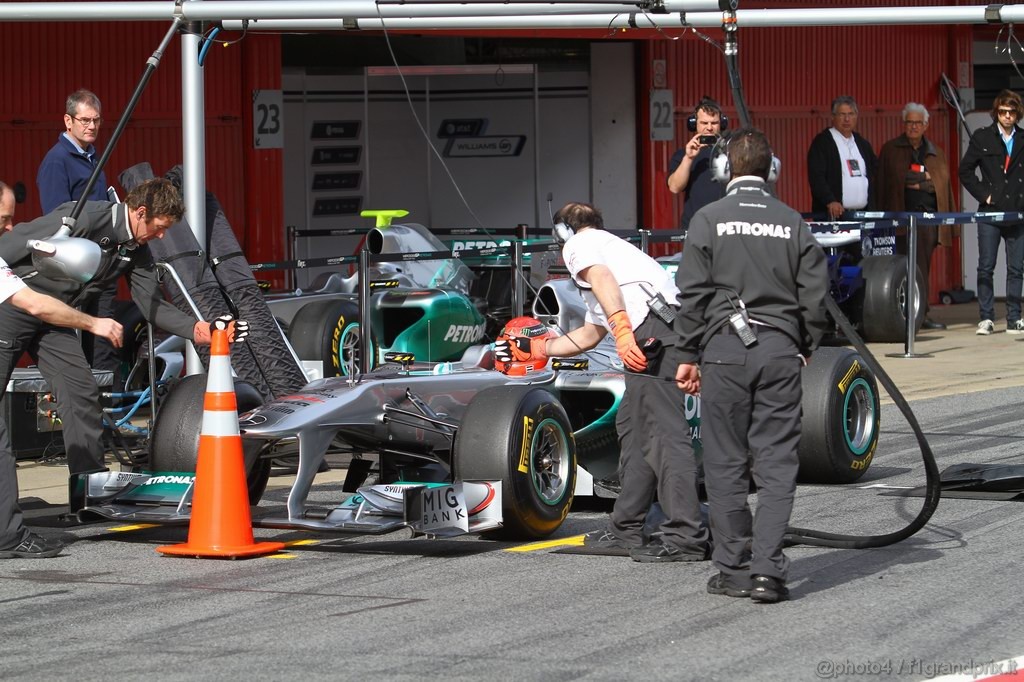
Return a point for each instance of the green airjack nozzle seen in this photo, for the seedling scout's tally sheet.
(384, 217)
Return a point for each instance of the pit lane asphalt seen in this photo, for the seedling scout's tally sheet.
(390, 608)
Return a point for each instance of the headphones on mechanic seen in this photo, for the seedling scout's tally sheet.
(562, 231)
(721, 170)
(710, 105)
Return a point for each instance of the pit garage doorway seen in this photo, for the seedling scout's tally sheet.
(509, 135)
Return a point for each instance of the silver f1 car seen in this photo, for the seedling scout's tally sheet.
(460, 447)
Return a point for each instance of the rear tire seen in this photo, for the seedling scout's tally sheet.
(884, 317)
(521, 436)
(840, 417)
(174, 445)
(329, 332)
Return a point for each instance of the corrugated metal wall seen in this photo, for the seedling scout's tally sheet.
(46, 61)
(790, 76)
(791, 103)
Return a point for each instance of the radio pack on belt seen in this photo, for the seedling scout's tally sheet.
(658, 305)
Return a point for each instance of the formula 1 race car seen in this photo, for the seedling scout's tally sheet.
(460, 447)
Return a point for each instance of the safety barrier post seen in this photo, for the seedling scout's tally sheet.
(910, 310)
(364, 311)
(518, 289)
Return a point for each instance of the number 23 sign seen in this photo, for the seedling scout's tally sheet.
(267, 119)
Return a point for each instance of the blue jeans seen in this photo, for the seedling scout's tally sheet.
(988, 249)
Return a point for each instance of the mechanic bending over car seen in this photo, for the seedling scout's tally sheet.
(753, 282)
(15, 539)
(121, 231)
(617, 281)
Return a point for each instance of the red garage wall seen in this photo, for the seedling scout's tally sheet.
(790, 76)
(46, 61)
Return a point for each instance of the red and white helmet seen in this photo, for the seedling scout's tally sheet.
(521, 334)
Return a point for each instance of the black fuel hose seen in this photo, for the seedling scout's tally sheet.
(933, 490)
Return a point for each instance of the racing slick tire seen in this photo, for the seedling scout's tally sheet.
(883, 317)
(174, 445)
(521, 436)
(840, 417)
(329, 331)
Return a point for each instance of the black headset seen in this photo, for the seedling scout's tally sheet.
(711, 105)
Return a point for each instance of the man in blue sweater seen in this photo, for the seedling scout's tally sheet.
(62, 177)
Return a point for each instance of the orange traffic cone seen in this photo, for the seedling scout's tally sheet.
(220, 525)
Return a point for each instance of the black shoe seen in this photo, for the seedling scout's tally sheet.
(932, 324)
(768, 589)
(722, 584)
(656, 550)
(33, 547)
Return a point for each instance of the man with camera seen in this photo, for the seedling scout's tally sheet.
(753, 281)
(628, 294)
(688, 169)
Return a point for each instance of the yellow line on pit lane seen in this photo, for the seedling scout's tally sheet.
(299, 543)
(135, 526)
(574, 541)
(281, 556)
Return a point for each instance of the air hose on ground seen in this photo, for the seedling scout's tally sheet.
(933, 490)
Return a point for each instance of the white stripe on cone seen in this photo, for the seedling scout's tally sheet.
(218, 379)
(220, 423)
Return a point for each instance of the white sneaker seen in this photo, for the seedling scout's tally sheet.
(1016, 327)
(985, 327)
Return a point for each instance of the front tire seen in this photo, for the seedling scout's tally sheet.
(521, 436)
(840, 417)
(174, 444)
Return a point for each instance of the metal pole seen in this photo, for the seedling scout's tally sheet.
(645, 240)
(346, 14)
(910, 310)
(193, 124)
(518, 290)
(364, 310)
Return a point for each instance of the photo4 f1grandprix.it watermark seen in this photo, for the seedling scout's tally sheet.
(832, 669)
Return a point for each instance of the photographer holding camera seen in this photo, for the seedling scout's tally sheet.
(753, 281)
(688, 169)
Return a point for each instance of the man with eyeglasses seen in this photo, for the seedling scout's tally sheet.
(840, 164)
(6, 208)
(995, 152)
(62, 177)
(913, 176)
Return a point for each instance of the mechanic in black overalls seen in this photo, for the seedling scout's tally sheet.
(752, 286)
(121, 231)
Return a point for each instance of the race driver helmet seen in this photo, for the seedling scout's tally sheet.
(514, 347)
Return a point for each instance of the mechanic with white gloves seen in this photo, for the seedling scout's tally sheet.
(121, 231)
(15, 539)
(753, 281)
(656, 450)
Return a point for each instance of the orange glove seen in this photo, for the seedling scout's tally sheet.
(625, 342)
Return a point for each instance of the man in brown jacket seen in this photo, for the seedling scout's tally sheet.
(913, 176)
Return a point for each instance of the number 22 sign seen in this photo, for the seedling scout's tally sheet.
(662, 115)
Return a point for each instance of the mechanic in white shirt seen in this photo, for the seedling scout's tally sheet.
(16, 542)
(656, 451)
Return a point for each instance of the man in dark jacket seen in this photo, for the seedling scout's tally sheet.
(62, 177)
(841, 164)
(753, 282)
(121, 231)
(994, 151)
(913, 176)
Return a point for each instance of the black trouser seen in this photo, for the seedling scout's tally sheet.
(657, 454)
(750, 423)
(98, 351)
(12, 525)
(58, 353)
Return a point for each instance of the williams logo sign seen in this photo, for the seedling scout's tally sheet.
(485, 145)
